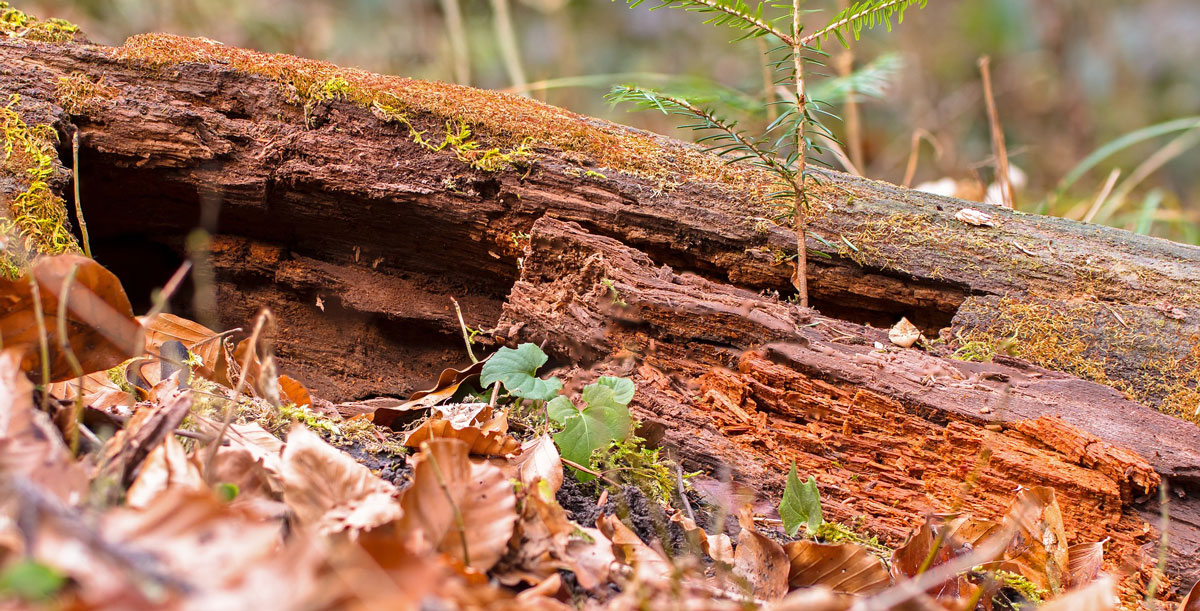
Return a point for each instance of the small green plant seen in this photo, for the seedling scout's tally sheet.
(629, 462)
(801, 505)
(604, 419)
(783, 147)
(31, 581)
(516, 369)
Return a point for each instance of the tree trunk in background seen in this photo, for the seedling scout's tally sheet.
(356, 237)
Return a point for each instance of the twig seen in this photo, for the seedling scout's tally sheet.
(998, 147)
(800, 280)
(463, 325)
(43, 341)
(227, 417)
(65, 345)
(87, 245)
(1164, 501)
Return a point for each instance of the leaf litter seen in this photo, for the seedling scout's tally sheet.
(162, 465)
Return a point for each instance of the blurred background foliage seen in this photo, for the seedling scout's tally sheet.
(1070, 77)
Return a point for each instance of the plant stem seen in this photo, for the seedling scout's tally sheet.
(458, 42)
(800, 280)
(1001, 152)
(502, 20)
(87, 245)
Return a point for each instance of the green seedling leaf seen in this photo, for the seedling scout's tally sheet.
(622, 388)
(517, 371)
(31, 581)
(560, 409)
(801, 504)
(601, 423)
(227, 491)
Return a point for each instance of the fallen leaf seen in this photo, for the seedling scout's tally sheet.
(101, 330)
(151, 423)
(845, 567)
(167, 467)
(539, 460)
(649, 566)
(463, 509)
(292, 391)
(1084, 561)
(331, 492)
(904, 334)
(972, 216)
(760, 561)
(818, 598)
(1191, 602)
(198, 339)
(449, 381)
(478, 442)
(719, 547)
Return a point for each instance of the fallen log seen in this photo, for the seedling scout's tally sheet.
(357, 205)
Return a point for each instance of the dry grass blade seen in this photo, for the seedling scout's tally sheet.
(329, 491)
(846, 567)
(463, 509)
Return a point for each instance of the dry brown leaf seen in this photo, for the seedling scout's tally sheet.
(30, 445)
(759, 560)
(292, 391)
(100, 326)
(904, 333)
(448, 383)
(228, 561)
(1084, 561)
(197, 338)
(1100, 595)
(1039, 550)
(478, 442)
(650, 567)
(719, 547)
(463, 509)
(935, 539)
(1191, 602)
(151, 423)
(329, 491)
(167, 467)
(539, 460)
(845, 567)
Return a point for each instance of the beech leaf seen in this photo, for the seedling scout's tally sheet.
(801, 504)
(517, 371)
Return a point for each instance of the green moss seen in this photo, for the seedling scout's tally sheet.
(834, 532)
(630, 462)
(1023, 586)
(1119, 346)
(36, 216)
(79, 94)
(16, 24)
(503, 126)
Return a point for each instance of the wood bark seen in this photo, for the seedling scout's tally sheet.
(356, 236)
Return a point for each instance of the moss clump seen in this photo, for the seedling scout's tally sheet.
(834, 532)
(15, 24)
(36, 216)
(78, 94)
(498, 121)
(1126, 347)
(1027, 589)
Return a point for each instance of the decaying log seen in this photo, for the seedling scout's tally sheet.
(329, 204)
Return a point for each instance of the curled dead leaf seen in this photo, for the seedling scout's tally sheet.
(331, 492)
(463, 509)
(479, 443)
(539, 460)
(101, 330)
(198, 339)
(448, 383)
(761, 561)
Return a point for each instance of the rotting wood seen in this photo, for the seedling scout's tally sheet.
(748, 383)
(327, 179)
(320, 198)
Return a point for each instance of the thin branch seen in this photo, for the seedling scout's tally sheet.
(748, 18)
